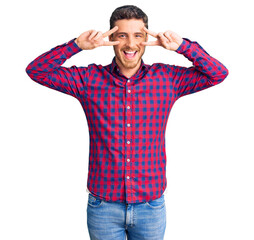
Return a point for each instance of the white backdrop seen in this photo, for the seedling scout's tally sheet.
(45, 138)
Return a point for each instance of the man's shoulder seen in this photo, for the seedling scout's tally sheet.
(160, 66)
(95, 65)
(94, 68)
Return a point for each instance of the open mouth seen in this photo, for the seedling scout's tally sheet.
(130, 54)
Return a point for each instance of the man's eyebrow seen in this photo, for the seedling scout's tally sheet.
(121, 33)
(127, 33)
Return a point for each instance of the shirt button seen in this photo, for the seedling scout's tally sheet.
(128, 160)
(128, 125)
(129, 91)
(128, 80)
(128, 142)
(128, 107)
(128, 177)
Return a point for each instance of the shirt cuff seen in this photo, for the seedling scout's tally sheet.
(185, 45)
(71, 48)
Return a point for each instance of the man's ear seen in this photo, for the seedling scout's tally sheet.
(110, 37)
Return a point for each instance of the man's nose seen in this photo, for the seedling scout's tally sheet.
(131, 42)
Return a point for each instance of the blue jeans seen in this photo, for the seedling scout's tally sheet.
(114, 221)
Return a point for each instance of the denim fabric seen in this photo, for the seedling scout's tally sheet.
(116, 221)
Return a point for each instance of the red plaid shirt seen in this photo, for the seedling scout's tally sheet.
(127, 117)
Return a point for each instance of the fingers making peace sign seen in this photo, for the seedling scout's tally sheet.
(92, 39)
(169, 40)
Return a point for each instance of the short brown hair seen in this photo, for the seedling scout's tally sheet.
(128, 12)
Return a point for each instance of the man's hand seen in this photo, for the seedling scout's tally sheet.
(93, 39)
(168, 39)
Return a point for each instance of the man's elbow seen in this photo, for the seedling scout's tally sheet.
(222, 76)
(29, 70)
(32, 72)
(225, 73)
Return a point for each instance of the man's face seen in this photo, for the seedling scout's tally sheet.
(130, 34)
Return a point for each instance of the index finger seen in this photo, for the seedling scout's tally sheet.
(154, 34)
(106, 34)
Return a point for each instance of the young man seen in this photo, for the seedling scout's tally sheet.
(127, 104)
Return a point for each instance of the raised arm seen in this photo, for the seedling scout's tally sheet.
(47, 70)
(205, 72)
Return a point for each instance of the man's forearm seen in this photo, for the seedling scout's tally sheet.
(203, 62)
(49, 61)
(47, 70)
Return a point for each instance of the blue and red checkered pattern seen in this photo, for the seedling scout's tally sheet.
(127, 117)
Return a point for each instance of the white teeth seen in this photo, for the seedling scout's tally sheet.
(130, 52)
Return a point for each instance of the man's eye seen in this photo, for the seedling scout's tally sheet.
(121, 35)
(138, 36)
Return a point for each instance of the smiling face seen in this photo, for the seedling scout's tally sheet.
(129, 51)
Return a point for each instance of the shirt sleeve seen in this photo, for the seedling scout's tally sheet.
(47, 70)
(206, 72)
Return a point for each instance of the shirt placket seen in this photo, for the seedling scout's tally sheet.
(128, 138)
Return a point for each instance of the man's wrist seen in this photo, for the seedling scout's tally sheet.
(71, 48)
(76, 41)
(183, 46)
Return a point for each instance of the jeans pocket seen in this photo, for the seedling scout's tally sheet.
(94, 201)
(156, 203)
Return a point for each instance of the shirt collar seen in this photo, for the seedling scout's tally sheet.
(115, 69)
